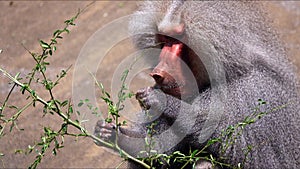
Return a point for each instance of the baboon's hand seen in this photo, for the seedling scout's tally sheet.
(105, 131)
(150, 98)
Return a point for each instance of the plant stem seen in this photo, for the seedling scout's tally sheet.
(6, 99)
(69, 121)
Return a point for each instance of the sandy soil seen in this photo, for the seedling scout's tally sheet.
(27, 22)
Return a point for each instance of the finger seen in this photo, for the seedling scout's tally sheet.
(141, 93)
(143, 104)
(100, 123)
(104, 131)
(106, 135)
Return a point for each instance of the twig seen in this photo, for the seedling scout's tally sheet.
(75, 124)
(6, 99)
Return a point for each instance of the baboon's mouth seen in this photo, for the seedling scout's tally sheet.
(172, 50)
(171, 87)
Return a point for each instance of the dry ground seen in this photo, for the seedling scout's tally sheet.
(27, 21)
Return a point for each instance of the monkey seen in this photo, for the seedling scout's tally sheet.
(208, 48)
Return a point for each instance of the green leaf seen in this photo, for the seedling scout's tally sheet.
(54, 152)
(212, 141)
(70, 109)
(80, 104)
(124, 75)
(13, 107)
(46, 63)
(64, 103)
(56, 32)
(53, 41)
(17, 75)
(19, 151)
(12, 126)
(43, 68)
(106, 100)
(107, 94)
(23, 88)
(101, 86)
(67, 21)
(194, 153)
(178, 153)
(44, 44)
(108, 120)
(67, 30)
(49, 85)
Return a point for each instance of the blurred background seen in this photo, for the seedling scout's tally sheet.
(28, 21)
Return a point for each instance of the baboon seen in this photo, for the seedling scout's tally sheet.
(211, 40)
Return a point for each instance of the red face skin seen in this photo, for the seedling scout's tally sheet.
(169, 74)
(176, 62)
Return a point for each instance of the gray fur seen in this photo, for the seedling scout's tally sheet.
(256, 67)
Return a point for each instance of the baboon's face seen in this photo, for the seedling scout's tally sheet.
(180, 71)
(179, 68)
